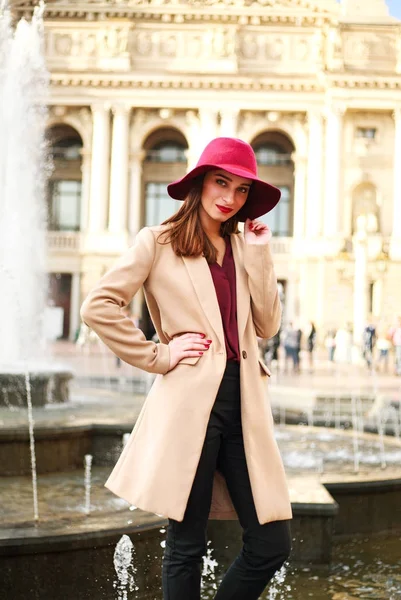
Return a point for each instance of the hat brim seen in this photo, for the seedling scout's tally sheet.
(262, 197)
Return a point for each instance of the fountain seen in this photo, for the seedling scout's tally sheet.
(23, 170)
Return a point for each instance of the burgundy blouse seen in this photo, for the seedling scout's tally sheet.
(225, 285)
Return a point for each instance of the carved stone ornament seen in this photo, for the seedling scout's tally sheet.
(165, 9)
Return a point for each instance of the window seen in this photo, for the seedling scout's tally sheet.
(64, 205)
(279, 219)
(166, 152)
(272, 155)
(366, 133)
(67, 149)
(159, 205)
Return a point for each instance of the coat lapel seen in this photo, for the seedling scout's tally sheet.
(243, 296)
(201, 278)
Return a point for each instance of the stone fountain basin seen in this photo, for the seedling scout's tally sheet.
(319, 463)
(69, 546)
(46, 387)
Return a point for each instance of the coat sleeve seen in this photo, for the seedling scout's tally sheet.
(102, 308)
(265, 299)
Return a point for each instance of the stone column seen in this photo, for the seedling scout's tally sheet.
(360, 281)
(135, 213)
(201, 128)
(85, 188)
(228, 123)
(334, 126)
(397, 177)
(135, 192)
(208, 126)
(314, 202)
(99, 168)
(299, 196)
(119, 171)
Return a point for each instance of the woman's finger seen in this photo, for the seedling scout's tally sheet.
(190, 335)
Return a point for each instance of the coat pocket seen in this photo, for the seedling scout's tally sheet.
(190, 360)
(264, 368)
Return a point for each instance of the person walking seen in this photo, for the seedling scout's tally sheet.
(395, 336)
(383, 345)
(203, 445)
(310, 344)
(330, 343)
(368, 344)
(292, 347)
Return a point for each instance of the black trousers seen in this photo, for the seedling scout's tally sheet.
(265, 547)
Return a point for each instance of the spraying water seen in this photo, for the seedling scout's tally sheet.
(24, 83)
(88, 472)
(32, 449)
(125, 568)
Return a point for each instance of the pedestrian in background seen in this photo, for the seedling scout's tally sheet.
(311, 343)
(395, 337)
(383, 345)
(292, 346)
(330, 343)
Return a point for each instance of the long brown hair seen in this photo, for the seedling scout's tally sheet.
(186, 233)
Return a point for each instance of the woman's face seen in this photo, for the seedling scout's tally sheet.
(223, 194)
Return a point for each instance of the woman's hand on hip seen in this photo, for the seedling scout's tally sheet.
(256, 232)
(187, 345)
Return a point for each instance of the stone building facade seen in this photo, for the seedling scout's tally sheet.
(138, 87)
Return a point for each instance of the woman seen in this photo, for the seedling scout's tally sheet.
(311, 343)
(203, 446)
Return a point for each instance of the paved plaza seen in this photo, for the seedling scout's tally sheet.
(96, 360)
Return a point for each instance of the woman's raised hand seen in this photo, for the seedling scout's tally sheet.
(187, 345)
(256, 232)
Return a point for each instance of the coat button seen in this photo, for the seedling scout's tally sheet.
(244, 354)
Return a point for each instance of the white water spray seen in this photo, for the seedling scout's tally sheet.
(88, 473)
(125, 568)
(23, 87)
(32, 448)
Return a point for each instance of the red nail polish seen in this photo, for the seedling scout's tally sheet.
(209, 341)
(201, 353)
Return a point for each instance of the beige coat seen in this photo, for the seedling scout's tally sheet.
(156, 469)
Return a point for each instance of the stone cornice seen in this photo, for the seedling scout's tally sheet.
(209, 83)
(243, 12)
(225, 84)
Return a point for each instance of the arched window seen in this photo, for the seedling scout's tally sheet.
(165, 161)
(273, 152)
(166, 152)
(65, 183)
(272, 155)
(365, 209)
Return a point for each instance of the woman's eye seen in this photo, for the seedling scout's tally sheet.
(220, 181)
(243, 190)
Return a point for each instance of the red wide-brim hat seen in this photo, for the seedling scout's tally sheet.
(238, 158)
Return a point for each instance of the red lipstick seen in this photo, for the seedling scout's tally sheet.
(224, 209)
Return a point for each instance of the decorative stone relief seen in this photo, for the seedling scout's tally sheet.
(274, 48)
(216, 42)
(111, 42)
(63, 44)
(369, 47)
(248, 46)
